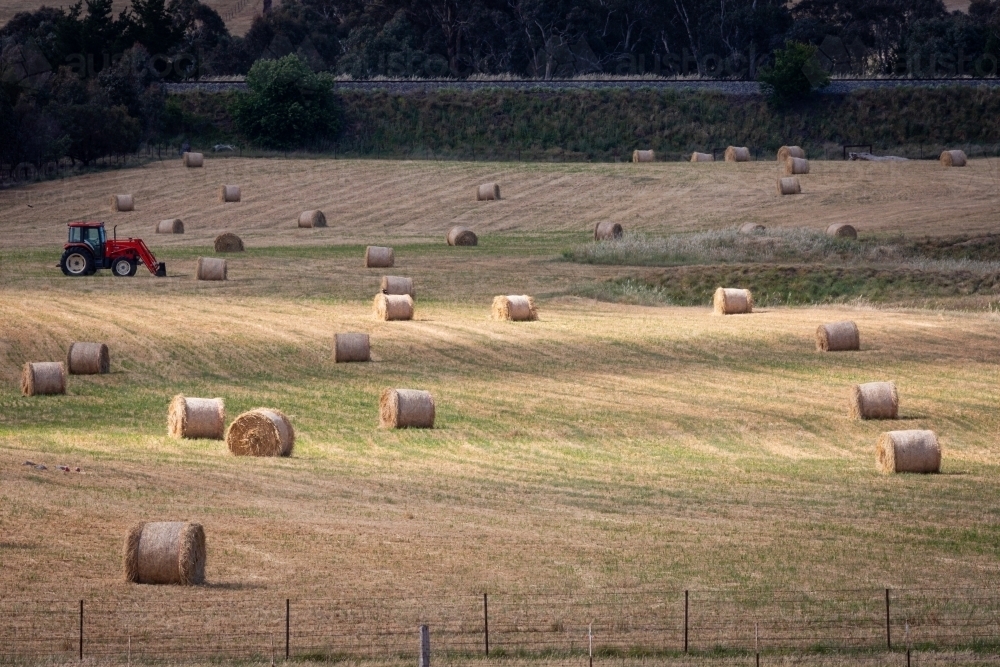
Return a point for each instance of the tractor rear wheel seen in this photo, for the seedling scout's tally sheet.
(123, 267)
(77, 262)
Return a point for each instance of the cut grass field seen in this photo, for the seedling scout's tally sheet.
(605, 447)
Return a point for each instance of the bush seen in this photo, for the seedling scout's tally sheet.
(795, 75)
(287, 106)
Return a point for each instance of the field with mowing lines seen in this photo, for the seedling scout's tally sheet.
(604, 447)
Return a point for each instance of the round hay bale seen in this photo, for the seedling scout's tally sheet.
(953, 158)
(194, 160)
(43, 377)
(165, 552)
(643, 156)
(229, 194)
(789, 185)
(398, 285)
(796, 165)
(514, 308)
(702, 157)
(122, 203)
(462, 236)
(607, 231)
(786, 152)
(908, 451)
(406, 408)
(838, 337)
(261, 432)
(212, 268)
(309, 219)
(737, 154)
(351, 347)
(172, 226)
(228, 242)
(196, 418)
(379, 257)
(874, 400)
(842, 230)
(389, 307)
(730, 301)
(488, 192)
(751, 228)
(88, 359)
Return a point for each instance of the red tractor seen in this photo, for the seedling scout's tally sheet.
(89, 249)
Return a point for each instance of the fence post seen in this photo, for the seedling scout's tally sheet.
(288, 627)
(685, 621)
(486, 624)
(81, 629)
(425, 646)
(888, 631)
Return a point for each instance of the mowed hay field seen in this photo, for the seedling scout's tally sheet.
(603, 447)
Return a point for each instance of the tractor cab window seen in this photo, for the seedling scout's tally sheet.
(95, 239)
(75, 235)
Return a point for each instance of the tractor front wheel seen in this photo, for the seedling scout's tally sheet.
(123, 267)
(77, 262)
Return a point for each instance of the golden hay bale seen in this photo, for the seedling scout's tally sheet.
(514, 308)
(390, 307)
(643, 156)
(838, 336)
(462, 236)
(737, 154)
(786, 152)
(488, 192)
(789, 185)
(194, 160)
(309, 219)
(261, 432)
(122, 203)
(229, 193)
(953, 158)
(228, 242)
(874, 400)
(165, 552)
(607, 231)
(796, 165)
(211, 268)
(43, 377)
(88, 359)
(398, 285)
(172, 226)
(406, 408)
(842, 230)
(351, 347)
(379, 257)
(751, 228)
(731, 301)
(908, 451)
(196, 418)
(702, 157)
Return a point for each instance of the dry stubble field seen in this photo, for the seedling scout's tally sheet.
(604, 448)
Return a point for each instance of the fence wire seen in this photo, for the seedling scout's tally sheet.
(609, 624)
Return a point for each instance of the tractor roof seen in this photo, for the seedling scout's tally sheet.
(86, 224)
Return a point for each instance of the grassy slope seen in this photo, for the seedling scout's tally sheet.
(604, 446)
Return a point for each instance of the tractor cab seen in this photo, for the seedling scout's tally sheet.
(88, 249)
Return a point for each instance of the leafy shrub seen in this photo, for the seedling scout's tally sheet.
(287, 106)
(795, 75)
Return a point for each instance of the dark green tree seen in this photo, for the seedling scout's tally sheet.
(287, 105)
(795, 75)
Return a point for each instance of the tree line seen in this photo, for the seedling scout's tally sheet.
(82, 82)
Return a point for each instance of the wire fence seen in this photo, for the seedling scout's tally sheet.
(610, 624)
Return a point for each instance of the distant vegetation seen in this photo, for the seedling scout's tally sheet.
(793, 267)
(82, 83)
